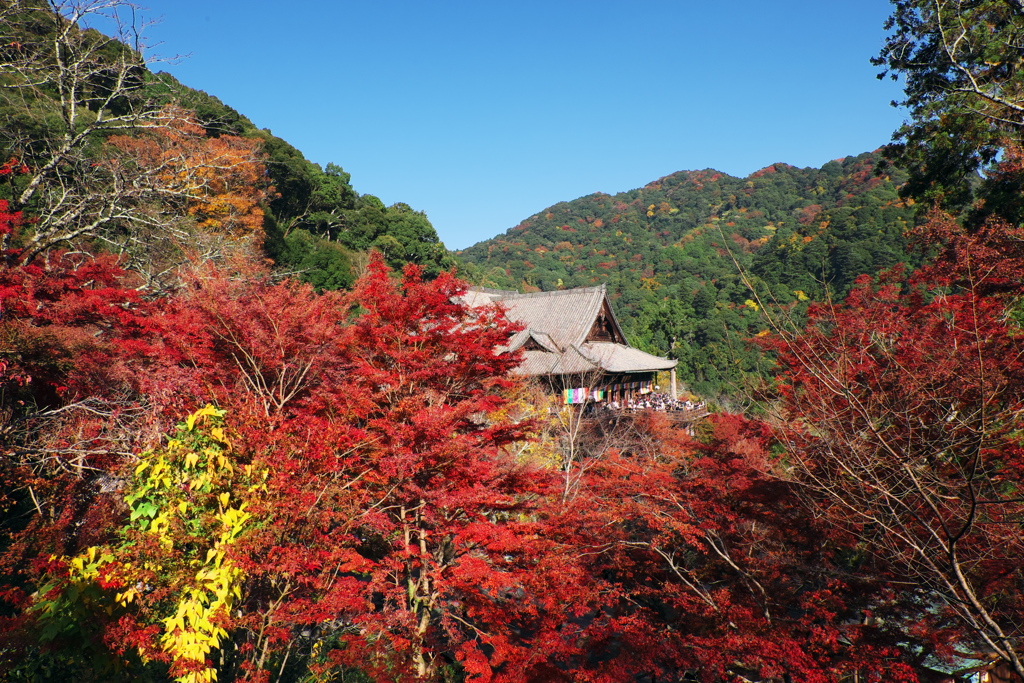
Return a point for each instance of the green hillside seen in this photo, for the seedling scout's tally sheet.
(64, 115)
(672, 251)
(316, 220)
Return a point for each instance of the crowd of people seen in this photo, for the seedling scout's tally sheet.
(655, 401)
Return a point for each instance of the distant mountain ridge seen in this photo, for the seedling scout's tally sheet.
(672, 251)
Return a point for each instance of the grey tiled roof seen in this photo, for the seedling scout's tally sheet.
(593, 357)
(559, 322)
(566, 316)
(621, 358)
(481, 296)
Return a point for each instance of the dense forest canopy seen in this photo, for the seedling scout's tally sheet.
(216, 465)
(681, 254)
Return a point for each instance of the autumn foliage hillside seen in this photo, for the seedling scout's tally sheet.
(671, 253)
(212, 471)
(108, 142)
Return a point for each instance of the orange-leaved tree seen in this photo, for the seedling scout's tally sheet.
(220, 181)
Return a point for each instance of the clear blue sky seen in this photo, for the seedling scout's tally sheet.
(484, 112)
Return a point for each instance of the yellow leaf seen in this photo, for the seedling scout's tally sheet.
(125, 598)
(190, 422)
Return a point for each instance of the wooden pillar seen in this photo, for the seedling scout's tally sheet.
(674, 393)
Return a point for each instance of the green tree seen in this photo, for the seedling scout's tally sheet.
(704, 302)
(417, 241)
(963, 69)
(324, 264)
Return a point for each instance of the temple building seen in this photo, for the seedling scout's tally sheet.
(572, 341)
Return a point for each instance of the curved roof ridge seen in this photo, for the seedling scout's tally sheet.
(490, 290)
(552, 293)
(545, 340)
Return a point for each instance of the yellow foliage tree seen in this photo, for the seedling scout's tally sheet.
(174, 569)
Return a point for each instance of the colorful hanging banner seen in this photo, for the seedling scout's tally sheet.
(576, 396)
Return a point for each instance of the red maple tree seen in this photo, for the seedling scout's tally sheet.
(703, 562)
(396, 531)
(899, 414)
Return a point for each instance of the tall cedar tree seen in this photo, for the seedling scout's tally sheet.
(962, 71)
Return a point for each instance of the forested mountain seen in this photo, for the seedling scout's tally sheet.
(672, 253)
(315, 219)
(88, 118)
(210, 472)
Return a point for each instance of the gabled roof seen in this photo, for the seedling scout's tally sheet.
(570, 331)
(566, 316)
